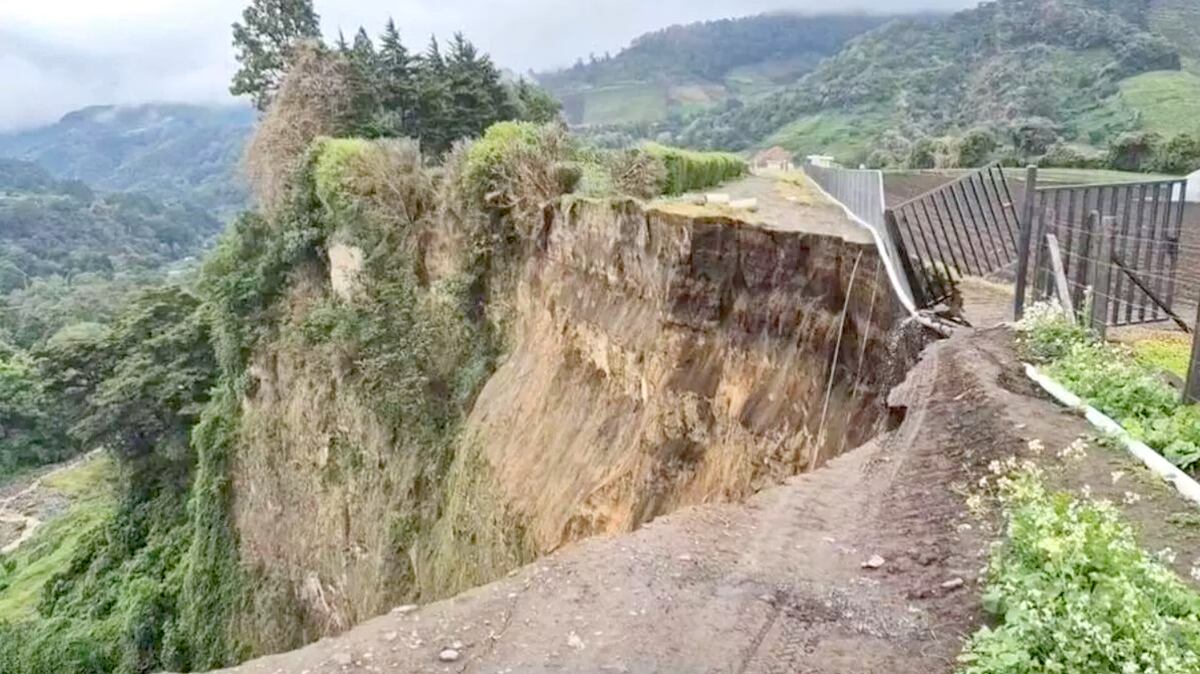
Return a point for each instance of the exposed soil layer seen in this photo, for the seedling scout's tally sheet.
(777, 584)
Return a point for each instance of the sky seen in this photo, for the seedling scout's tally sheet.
(59, 55)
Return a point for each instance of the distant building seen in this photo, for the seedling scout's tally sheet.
(824, 160)
(1193, 187)
(773, 158)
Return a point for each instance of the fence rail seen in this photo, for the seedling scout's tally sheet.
(967, 227)
(1148, 221)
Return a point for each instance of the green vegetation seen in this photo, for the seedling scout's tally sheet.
(655, 77)
(1073, 592)
(1054, 87)
(688, 171)
(1168, 353)
(1111, 379)
(23, 574)
(624, 104)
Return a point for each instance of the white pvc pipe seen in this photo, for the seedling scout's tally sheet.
(1168, 471)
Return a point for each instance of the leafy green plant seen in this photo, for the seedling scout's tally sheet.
(1113, 380)
(1073, 592)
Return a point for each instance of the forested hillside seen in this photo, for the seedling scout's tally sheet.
(683, 69)
(70, 261)
(170, 151)
(1066, 81)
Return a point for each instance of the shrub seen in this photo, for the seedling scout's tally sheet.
(515, 166)
(688, 171)
(975, 148)
(1180, 155)
(1073, 592)
(1133, 151)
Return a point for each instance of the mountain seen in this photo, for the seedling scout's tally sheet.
(686, 68)
(169, 151)
(1034, 76)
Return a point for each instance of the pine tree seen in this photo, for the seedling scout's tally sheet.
(435, 107)
(342, 45)
(397, 84)
(264, 41)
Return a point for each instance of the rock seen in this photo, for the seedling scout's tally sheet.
(448, 655)
(407, 608)
(717, 198)
(874, 562)
(685, 558)
(391, 636)
(457, 645)
(343, 659)
(953, 583)
(574, 641)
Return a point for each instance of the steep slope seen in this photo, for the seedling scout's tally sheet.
(1033, 72)
(171, 151)
(684, 69)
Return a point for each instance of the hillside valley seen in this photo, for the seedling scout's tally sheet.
(1061, 81)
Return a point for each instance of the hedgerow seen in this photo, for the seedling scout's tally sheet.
(1073, 592)
(1111, 378)
(688, 171)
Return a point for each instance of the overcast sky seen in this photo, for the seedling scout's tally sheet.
(59, 55)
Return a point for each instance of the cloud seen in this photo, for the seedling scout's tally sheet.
(59, 55)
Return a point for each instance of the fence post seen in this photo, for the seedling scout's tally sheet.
(893, 231)
(1101, 273)
(1026, 238)
(1191, 392)
(1061, 286)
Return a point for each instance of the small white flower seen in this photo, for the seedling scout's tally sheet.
(1131, 498)
(1036, 446)
(1195, 572)
(1166, 556)
(1117, 475)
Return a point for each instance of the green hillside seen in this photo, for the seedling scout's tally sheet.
(685, 69)
(1059, 81)
(170, 151)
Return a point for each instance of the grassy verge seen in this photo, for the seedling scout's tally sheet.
(24, 573)
(1114, 380)
(1072, 591)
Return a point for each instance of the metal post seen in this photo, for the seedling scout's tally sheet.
(1025, 239)
(1101, 275)
(1191, 392)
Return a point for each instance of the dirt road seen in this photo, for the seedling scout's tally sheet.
(780, 584)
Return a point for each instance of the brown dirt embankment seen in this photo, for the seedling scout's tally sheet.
(774, 585)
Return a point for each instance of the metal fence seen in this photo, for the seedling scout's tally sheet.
(861, 191)
(968, 227)
(1146, 222)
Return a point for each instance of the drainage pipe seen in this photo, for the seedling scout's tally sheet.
(1168, 471)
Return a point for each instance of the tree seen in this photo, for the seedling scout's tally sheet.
(434, 102)
(1133, 151)
(1179, 156)
(975, 148)
(397, 85)
(536, 104)
(265, 41)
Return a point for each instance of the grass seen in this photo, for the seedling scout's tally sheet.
(1167, 102)
(624, 104)
(1166, 351)
(848, 136)
(89, 486)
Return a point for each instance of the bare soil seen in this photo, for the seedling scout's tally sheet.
(778, 584)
